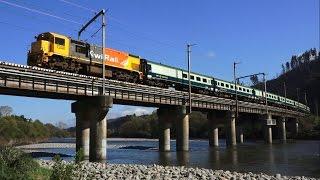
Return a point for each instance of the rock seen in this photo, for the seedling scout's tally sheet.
(88, 170)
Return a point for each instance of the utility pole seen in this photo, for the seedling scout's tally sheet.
(235, 87)
(305, 98)
(265, 91)
(298, 98)
(285, 91)
(189, 72)
(103, 52)
(101, 13)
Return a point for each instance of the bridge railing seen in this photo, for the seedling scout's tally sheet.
(38, 82)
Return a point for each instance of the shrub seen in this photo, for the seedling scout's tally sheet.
(61, 170)
(79, 156)
(15, 164)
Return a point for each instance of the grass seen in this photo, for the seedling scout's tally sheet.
(15, 164)
(41, 174)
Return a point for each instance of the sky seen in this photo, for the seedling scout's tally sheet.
(260, 34)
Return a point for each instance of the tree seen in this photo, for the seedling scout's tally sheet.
(293, 62)
(287, 66)
(61, 125)
(254, 79)
(5, 111)
(283, 69)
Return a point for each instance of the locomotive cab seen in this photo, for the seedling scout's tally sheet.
(46, 46)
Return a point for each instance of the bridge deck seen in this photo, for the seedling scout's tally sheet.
(28, 81)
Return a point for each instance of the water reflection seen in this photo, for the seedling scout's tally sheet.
(165, 158)
(292, 158)
(183, 158)
(214, 157)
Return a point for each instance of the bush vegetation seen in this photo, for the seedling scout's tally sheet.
(18, 130)
(15, 164)
(62, 170)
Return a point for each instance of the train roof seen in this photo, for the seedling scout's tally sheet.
(178, 68)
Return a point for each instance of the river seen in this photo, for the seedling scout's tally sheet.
(294, 158)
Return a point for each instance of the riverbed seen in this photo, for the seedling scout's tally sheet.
(294, 158)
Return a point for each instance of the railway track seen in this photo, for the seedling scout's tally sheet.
(19, 78)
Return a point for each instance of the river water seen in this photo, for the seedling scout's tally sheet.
(294, 158)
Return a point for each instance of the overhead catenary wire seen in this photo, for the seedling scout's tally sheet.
(130, 32)
(51, 9)
(112, 18)
(78, 5)
(39, 12)
(137, 35)
(33, 18)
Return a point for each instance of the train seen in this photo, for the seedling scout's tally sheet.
(59, 52)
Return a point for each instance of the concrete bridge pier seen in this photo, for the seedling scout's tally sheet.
(231, 139)
(283, 132)
(240, 134)
(268, 129)
(296, 127)
(182, 136)
(82, 128)
(94, 110)
(213, 129)
(164, 129)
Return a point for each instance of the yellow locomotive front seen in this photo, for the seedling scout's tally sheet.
(48, 48)
(59, 52)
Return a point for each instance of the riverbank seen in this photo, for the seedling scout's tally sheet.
(88, 170)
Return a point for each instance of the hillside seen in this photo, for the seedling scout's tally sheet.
(16, 130)
(302, 79)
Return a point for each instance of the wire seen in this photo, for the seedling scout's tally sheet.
(77, 5)
(33, 18)
(39, 12)
(96, 32)
(36, 5)
(137, 34)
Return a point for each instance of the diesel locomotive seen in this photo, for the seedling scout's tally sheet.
(59, 52)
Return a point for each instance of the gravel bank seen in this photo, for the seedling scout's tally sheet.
(131, 171)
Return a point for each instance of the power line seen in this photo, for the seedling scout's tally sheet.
(121, 23)
(37, 18)
(52, 9)
(77, 5)
(39, 12)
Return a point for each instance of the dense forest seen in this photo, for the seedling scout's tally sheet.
(20, 130)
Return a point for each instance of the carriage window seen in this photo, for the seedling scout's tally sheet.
(191, 77)
(222, 84)
(240, 88)
(198, 79)
(204, 80)
(231, 86)
(248, 90)
(227, 85)
(184, 75)
(59, 41)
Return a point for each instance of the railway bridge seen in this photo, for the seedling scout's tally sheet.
(91, 108)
